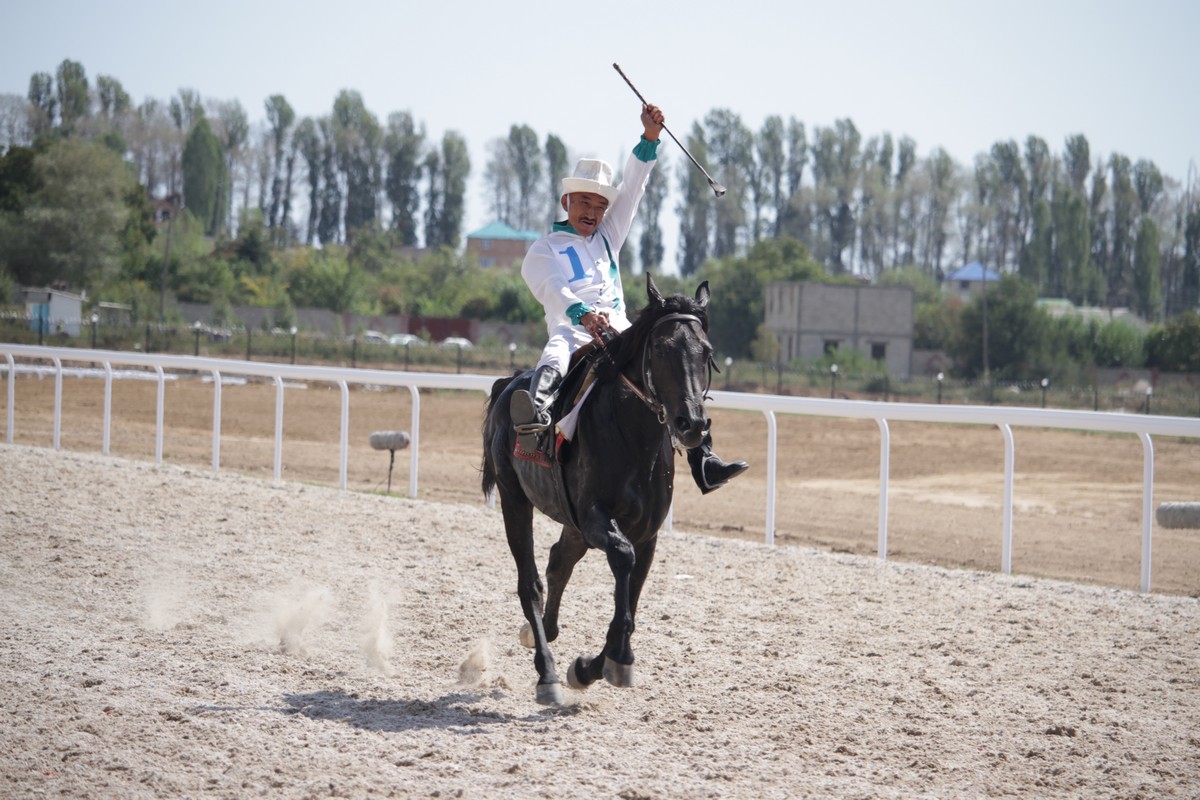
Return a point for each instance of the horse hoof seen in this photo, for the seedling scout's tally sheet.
(549, 694)
(618, 674)
(526, 636)
(573, 677)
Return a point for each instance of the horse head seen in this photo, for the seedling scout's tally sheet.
(667, 356)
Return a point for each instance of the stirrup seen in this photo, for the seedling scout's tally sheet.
(527, 428)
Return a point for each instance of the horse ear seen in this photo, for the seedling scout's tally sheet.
(702, 294)
(652, 291)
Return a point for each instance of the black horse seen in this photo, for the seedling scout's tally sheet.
(611, 490)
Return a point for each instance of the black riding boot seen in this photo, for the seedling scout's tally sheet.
(530, 410)
(709, 470)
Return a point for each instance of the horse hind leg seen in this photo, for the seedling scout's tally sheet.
(518, 524)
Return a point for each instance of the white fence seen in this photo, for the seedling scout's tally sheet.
(1144, 426)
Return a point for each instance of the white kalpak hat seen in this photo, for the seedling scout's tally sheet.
(591, 175)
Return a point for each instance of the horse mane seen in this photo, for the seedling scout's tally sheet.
(628, 345)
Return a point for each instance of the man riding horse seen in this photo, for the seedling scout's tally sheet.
(573, 272)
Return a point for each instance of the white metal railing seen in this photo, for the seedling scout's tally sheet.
(1144, 426)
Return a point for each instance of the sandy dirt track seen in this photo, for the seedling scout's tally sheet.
(172, 632)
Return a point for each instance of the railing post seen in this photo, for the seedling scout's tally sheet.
(1009, 465)
(12, 394)
(158, 414)
(278, 428)
(772, 436)
(108, 379)
(344, 437)
(57, 402)
(1147, 506)
(414, 458)
(885, 441)
(216, 431)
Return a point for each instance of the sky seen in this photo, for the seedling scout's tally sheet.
(959, 75)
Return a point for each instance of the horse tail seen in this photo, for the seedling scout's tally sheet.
(489, 431)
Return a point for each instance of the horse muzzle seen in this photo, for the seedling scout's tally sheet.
(688, 430)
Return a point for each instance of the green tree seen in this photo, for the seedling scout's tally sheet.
(204, 176)
(1017, 333)
(74, 100)
(325, 279)
(44, 104)
(359, 139)
(557, 168)
(1124, 216)
(739, 284)
(943, 186)
(1175, 347)
(1075, 276)
(650, 240)
(695, 208)
(70, 228)
(280, 117)
(1190, 280)
(1146, 280)
(1118, 344)
(308, 139)
(768, 186)
(1036, 260)
(729, 148)
(404, 143)
(1077, 162)
(115, 104)
(234, 133)
(447, 170)
(329, 225)
(514, 178)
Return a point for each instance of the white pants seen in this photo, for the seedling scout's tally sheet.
(565, 339)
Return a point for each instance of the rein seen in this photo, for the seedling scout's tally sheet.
(647, 393)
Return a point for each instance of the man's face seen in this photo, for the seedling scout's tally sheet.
(585, 210)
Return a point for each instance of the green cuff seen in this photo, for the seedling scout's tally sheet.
(577, 312)
(646, 150)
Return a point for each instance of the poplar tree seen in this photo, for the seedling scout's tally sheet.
(204, 176)
(403, 145)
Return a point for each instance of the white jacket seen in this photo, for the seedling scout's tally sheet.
(570, 274)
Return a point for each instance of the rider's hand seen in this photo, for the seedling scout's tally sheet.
(652, 122)
(594, 323)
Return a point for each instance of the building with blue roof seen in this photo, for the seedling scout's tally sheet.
(500, 244)
(967, 282)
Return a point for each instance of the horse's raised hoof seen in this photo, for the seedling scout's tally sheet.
(573, 675)
(549, 694)
(526, 636)
(618, 674)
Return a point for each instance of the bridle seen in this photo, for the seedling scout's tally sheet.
(646, 392)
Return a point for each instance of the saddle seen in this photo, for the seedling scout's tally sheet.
(552, 444)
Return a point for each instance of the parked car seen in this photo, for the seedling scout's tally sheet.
(374, 337)
(457, 341)
(405, 339)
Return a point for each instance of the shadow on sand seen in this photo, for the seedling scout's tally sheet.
(456, 712)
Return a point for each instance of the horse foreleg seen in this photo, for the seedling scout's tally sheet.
(641, 568)
(615, 662)
(564, 555)
(518, 525)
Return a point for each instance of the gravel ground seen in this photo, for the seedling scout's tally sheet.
(177, 632)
